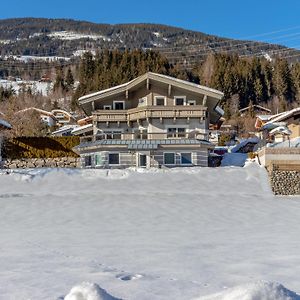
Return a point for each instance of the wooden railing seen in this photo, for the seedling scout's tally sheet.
(140, 113)
(144, 136)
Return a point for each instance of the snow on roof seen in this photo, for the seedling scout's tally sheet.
(64, 128)
(265, 117)
(242, 143)
(281, 130)
(285, 115)
(81, 129)
(5, 124)
(293, 143)
(152, 75)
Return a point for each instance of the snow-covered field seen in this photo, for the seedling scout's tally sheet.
(198, 233)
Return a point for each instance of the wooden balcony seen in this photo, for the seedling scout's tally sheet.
(147, 112)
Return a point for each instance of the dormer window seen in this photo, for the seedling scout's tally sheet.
(159, 101)
(180, 100)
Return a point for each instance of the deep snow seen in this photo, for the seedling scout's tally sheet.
(157, 234)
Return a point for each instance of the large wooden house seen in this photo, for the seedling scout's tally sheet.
(154, 120)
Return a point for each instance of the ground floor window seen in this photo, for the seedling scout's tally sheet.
(169, 158)
(88, 161)
(186, 158)
(114, 158)
(98, 160)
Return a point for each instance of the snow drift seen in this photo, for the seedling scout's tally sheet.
(88, 291)
(255, 291)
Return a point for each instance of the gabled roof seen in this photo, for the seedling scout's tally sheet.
(259, 107)
(156, 77)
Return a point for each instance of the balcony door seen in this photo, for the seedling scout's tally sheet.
(143, 159)
(119, 105)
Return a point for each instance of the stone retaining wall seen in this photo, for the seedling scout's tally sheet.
(285, 182)
(59, 162)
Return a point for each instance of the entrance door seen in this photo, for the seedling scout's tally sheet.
(143, 160)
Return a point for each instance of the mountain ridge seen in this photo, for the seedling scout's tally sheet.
(63, 37)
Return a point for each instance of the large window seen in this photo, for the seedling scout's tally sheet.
(160, 101)
(114, 158)
(186, 158)
(176, 132)
(180, 100)
(169, 158)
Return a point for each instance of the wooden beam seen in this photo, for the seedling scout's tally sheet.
(93, 106)
(148, 84)
(127, 94)
(204, 100)
(169, 90)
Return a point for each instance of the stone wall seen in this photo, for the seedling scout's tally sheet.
(285, 182)
(59, 162)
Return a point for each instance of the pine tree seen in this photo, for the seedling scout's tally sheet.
(69, 80)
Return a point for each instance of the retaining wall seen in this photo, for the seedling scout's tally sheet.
(59, 162)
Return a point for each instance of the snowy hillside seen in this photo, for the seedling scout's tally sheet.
(147, 235)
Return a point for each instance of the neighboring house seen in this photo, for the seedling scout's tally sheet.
(151, 121)
(255, 109)
(46, 117)
(281, 126)
(63, 117)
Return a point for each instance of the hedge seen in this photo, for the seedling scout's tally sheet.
(40, 147)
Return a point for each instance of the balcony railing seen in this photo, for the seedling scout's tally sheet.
(140, 113)
(145, 136)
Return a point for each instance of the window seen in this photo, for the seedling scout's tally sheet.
(119, 105)
(192, 102)
(169, 158)
(176, 132)
(98, 160)
(106, 107)
(114, 158)
(88, 161)
(160, 101)
(186, 158)
(180, 100)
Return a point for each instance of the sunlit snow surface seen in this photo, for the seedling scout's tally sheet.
(177, 234)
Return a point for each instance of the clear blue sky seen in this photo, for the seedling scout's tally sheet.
(228, 18)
